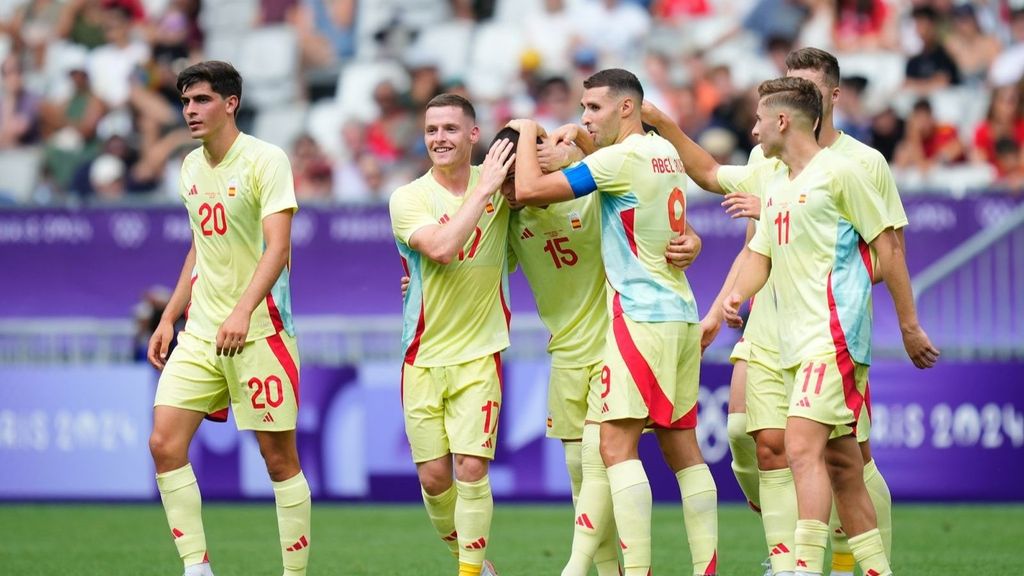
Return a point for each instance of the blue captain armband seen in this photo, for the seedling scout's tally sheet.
(580, 179)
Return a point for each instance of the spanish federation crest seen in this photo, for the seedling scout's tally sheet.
(575, 221)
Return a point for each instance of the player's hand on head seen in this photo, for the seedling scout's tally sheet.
(159, 343)
(731, 310)
(405, 285)
(565, 133)
(919, 347)
(683, 250)
(232, 333)
(554, 156)
(651, 114)
(742, 205)
(496, 165)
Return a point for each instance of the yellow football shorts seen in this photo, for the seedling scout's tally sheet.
(452, 409)
(651, 372)
(829, 389)
(567, 399)
(767, 393)
(261, 383)
(740, 351)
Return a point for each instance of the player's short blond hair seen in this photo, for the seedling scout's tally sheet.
(796, 94)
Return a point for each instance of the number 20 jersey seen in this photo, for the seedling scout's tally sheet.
(643, 205)
(226, 207)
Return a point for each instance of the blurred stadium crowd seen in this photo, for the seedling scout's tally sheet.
(89, 112)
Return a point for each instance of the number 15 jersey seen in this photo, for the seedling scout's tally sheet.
(643, 206)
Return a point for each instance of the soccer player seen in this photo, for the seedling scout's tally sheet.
(451, 228)
(558, 248)
(756, 376)
(815, 226)
(238, 344)
(651, 363)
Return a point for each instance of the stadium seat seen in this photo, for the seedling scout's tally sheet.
(20, 167)
(269, 62)
(228, 16)
(447, 45)
(491, 70)
(280, 125)
(357, 82)
(885, 72)
(323, 122)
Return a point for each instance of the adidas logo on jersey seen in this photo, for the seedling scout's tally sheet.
(193, 191)
(489, 443)
(526, 234)
(804, 403)
(268, 418)
(604, 408)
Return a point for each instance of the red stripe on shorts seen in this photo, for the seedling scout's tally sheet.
(658, 405)
(285, 358)
(501, 376)
(854, 399)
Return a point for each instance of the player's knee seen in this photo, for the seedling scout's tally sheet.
(736, 426)
(470, 468)
(771, 450)
(801, 453)
(281, 464)
(167, 450)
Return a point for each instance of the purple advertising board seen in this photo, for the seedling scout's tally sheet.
(954, 433)
(98, 262)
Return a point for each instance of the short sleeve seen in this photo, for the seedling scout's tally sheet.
(605, 170)
(275, 185)
(740, 179)
(896, 216)
(860, 203)
(409, 213)
(761, 242)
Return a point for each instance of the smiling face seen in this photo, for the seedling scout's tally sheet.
(601, 115)
(449, 136)
(205, 111)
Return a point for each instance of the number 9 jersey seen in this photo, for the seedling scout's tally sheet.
(643, 206)
(226, 206)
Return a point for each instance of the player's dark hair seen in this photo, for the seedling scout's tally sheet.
(818, 60)
(796, 94)
(618, 81)
(454, 100)
(222, 77)
(510, 134)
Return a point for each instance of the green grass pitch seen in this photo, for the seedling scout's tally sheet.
(527, 540)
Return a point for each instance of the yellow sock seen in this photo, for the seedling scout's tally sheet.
(700, 514)
(474, 507)
(810, 539)
(882, 500)
(441, 510)
(842, 557)
(744, 458)
(470, 569)
(183, 506)
(293, 511)
(631, 503)
(593, 540)
(574, 465)
(779, 514)
(870, 553)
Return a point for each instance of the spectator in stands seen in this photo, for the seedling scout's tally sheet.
(424, 84)
(113, 65)
(555, 106)
(927, 142)
(70, 127)
(394, 128)
(887, 129)
(932, 68)
(33, 27)
(1008, 67)
(81, 22)
(971, 48)
(174, 34)
(849, 114)
(107, 178)
(326, 30)
(614, 28)
(864, 25)
(1004, 121)
(1009, 165)
(19, 108)
(311, 169)
(550, 33)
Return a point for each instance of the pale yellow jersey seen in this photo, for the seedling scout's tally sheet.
(761, 324)
(643, 205)
(457, 312)
(226, 207)
(815, 228)
(559, 249)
